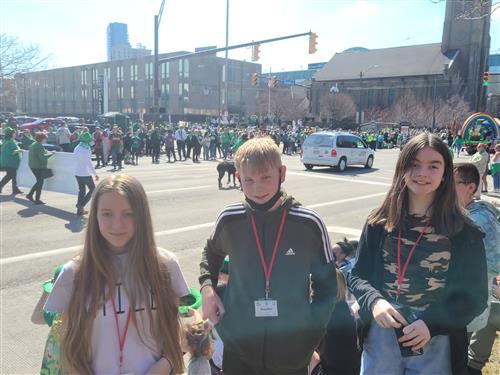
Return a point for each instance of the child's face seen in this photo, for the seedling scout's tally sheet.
(260, 186)
(116, 220)
(426, 172)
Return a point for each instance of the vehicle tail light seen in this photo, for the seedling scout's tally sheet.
(333, 153)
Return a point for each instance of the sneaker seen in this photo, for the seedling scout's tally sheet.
(30, 198)
(17, 191)
(38, 201)
(81, 212)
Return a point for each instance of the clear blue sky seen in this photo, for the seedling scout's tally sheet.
(74, 31)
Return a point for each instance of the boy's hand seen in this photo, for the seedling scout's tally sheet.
(387, 316)
(211, 307)
(416, 335)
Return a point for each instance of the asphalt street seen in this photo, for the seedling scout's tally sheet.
(185, 201)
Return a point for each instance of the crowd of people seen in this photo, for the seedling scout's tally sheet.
(417, 294)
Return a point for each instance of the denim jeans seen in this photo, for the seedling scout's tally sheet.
(381, 355)
(496, 181)
(84, 182)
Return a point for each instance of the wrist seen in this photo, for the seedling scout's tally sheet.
(207, 288)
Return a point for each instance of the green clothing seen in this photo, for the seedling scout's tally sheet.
(495, 168)
(8, 158)
(27, 141)
(225, 138)
(38, 156)
(116, 140)
(136, 143)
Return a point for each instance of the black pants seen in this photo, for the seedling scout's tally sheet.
(181, 147)
(155, 155)
(233, 365)
(99, 156)
(170, 151)
(84, 182)
(37, 188)
(196, 153)
(11, 175)
(66, 147)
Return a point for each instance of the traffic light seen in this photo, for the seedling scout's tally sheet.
(313, 42)
(273, 82)
(255, 79)
(486, 78)
(255, 52)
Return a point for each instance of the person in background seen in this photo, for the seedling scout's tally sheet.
(98, 147)
(84, 171)
(38, 158)
(63, 137)
(486, 216)
(136, 148)
(480, 159)
(105, 146)
(116, 146)
(26, 139)
(10, 158)
(495, 168)
(181, 136)
(170, 145)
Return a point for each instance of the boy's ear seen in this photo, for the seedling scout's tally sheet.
(283, 173)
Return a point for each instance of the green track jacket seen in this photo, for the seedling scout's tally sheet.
(304, 266)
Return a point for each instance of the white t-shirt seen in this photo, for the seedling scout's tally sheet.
(137, 356)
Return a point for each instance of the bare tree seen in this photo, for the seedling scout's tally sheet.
(455, 109)
(476, 9)
(18, 58)
(338, 107)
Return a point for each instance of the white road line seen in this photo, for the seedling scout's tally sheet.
(352, 180)
(73, 249)
(180, 189)
(345, 200)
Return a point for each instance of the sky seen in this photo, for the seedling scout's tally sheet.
(73, 32)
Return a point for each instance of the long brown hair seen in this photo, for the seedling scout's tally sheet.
(447, 216)
(145, 272)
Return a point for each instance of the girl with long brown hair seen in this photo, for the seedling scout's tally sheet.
(420, 275)
(119, 297)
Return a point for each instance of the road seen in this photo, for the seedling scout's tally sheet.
(185, 201)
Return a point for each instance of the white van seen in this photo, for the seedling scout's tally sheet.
(335, 149)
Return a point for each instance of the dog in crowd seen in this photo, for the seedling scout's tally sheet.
(228, 167)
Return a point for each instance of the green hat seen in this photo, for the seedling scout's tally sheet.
(85, 138)
(8, 131)
(192, 300)
(49, 284)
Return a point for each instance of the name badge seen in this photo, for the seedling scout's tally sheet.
(266, 308)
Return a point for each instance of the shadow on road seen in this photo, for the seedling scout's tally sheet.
(74, 223)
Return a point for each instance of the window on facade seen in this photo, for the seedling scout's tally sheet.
(149, 70)
(165, 88)
(132, 92)
(120, 92)
(107, 72)
(119, 73)
(84, 77)
(133, 72)
(165, 70)
(184, 68)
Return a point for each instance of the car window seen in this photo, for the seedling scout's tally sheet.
(318, 140)
(360, 143)
(326, 141)
(352, 141)
(345, 141)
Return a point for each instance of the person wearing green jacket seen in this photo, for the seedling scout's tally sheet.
(26, 140)
(38, 157)
(10, 158)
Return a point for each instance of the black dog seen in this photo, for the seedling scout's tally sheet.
(222, 168)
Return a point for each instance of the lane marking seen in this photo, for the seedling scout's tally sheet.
(180, 189)
(351, 232)
(353, 180)
(65, 250)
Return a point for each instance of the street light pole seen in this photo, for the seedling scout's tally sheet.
(361, 74)
(433, 126)
(226, 65)
(157, 20)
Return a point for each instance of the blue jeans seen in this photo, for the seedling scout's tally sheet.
(496, 181)
(84, 183)
(381, 355)
(206, 152)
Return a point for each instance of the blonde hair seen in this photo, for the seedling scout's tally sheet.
(145, 273)
(258, 154)
(199, 338)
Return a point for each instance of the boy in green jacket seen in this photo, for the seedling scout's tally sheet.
(282, 280)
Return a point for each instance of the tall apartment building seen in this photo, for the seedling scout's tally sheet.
(117, 34)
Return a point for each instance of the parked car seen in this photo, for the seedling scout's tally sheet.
(335, 149)
(20, 120)
(41, 124)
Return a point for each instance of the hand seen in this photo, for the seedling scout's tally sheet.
(416, 335)
(96, 177)
(495, 291)
(315, 359)
(211, 306)
(387, 316)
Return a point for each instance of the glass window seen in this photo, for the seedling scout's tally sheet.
(119, 73)
(133, 72)
(149, 70)
(132, 92)
(165, 70)
(165, 88)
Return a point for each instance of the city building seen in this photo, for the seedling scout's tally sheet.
(117, 34)
(125, 51)
(191, 88)
(377, 78)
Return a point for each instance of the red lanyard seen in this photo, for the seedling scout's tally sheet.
(268, 271)
(401, 273)
(121, 340)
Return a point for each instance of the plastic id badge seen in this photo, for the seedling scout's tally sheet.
(266, 308)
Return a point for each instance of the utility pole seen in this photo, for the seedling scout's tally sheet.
(156, 90)
(433, 126)
(269, 96)
(226, 64)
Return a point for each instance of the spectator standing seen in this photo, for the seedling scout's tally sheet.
(84, 171)
(38, 158)
(98, 147)
(495, 168)
(180, 137)
(10, 158)
(481, 159)
(63, 137)
(170, 145)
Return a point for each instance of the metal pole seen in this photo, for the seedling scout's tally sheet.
(226, 83)
(359, 106)
(269, 96)
(434, 106)
(241, 92)
(93, 99)
(155, 72)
